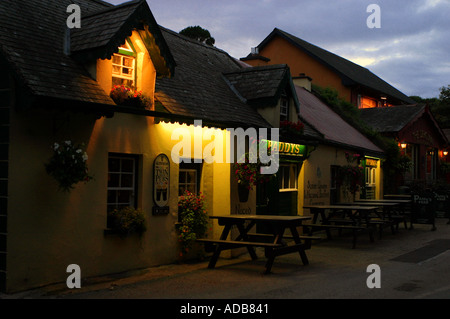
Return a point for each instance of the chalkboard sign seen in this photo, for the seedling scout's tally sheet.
(423, 209)
(442, 199)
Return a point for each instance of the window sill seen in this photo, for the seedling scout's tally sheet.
(288, 190)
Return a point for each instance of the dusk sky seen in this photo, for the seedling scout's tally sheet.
(411, 49)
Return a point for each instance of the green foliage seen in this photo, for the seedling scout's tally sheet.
(440, 107)
(393, 163)
(194, 220)
(350, 176)
(68, 165)
(199, 34)
(128, 220)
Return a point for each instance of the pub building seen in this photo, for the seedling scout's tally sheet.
(125, 96)
(120, 95)
(419, 137)
(382, 106)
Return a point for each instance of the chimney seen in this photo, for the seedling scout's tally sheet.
(303, 80)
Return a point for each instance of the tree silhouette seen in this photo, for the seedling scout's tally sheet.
(199, 34)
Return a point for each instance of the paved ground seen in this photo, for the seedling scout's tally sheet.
(414, 264)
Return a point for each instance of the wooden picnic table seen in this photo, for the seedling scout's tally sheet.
(352, 217)
(274, 244)
(398, 213)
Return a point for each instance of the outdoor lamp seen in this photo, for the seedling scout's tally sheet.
(403, 145)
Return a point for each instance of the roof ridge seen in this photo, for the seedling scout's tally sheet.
(192, 40)
(322, 49)
(114, 7)
(259, 68)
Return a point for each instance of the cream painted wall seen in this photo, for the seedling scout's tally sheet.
(49, 229)
(315, 177)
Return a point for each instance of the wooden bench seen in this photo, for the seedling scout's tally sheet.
(260, 237)
(354, 228)
(227, 244)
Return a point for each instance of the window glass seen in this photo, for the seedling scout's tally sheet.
(288, 177)
(121, 181)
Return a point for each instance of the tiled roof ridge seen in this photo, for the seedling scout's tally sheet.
(193, 41)
(259, 68)
(113, 8)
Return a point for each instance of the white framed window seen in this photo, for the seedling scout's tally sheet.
(124, 65)
(123, 69)
(187, 181)
(122, 185)
(371, 176)
(189, 178)
(288, 177)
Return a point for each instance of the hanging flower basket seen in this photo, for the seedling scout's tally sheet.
(68, 165)
(350, 176)
(125, 96)
(292, 127)
(243, 193)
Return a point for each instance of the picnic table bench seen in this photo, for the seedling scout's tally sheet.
(274, 244)
(398, 213)
(351, 217)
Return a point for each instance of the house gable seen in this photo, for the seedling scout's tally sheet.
(352, 77)
(105, 31)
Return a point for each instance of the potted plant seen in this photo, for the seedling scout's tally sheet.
(126, 96)
(350, 176)
(68, 165)
(127, 221)
(194, 220)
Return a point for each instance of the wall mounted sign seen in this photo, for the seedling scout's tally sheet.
(284, 148)
(371, 162)
(161, 183)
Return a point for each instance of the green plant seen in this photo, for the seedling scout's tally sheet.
(123, 95)
(193, 218)
(68, 165)
(247, 171)
(127, 220)
(292, 127)
(350, 176)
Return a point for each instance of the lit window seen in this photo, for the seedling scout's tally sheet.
(367, 103)
(123, 66)
(288, 177)
(370, 176)
(188, 178)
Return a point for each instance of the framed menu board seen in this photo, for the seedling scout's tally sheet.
(161, 183)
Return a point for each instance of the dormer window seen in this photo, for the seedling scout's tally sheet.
(124, 66)
(284, 108)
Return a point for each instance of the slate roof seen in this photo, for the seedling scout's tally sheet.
(102, 32)
(32, 44)
(199, 87)
(351, 73)
(391, 119)
(334, 129)
(262, 83)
